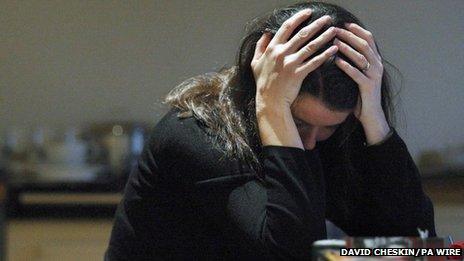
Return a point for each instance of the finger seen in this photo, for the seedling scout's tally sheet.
(289, 26)
(315, 44)
(354, 73)
(352, 54)
(363, 33)
(358, 43)
(306, 33)
(315, 62)
(261, 46)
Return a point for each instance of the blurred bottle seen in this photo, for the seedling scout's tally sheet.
(117, 144)
(41, 137)
(16, 144)
(137, 142)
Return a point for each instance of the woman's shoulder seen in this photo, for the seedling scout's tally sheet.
(172, 130)
(182, 145)
(181, 132)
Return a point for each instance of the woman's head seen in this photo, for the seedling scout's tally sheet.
(225, 101)
(331, 90)
(328, 83)
(314, 120)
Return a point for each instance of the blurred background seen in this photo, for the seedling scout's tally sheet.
(81, 85)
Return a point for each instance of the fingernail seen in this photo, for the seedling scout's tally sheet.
(308, 11)
(347, 24)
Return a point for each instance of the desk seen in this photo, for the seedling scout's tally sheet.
(57, 220)
(33, 197)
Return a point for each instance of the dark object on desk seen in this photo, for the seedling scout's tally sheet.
(115, 144)
(2, 214)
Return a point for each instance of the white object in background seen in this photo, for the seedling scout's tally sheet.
(72, 151)
(137, 140)
(423, 233)
(330, 242)
(118, 145)
(65, 173)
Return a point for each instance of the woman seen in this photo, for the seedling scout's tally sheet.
(251, 161)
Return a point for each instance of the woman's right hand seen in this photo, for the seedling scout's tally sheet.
(279, 70)
(278, 65)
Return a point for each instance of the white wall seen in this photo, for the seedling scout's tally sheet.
(67, 62)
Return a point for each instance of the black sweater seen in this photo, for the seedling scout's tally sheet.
(185, 200)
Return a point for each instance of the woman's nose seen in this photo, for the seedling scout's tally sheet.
(310, 139)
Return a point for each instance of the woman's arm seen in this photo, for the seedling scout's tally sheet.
(393, 202)
(282, 218)
(279, 68)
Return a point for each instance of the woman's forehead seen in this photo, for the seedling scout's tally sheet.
(312, 111)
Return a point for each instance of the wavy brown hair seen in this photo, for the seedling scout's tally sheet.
(224, 101)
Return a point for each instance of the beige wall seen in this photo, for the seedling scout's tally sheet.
(68, 62)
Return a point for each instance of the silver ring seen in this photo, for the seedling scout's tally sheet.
(366, 67)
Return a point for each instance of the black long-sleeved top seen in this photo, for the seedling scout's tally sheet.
(185, 200)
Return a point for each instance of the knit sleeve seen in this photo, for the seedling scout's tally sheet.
(393, 202)
(285, 216)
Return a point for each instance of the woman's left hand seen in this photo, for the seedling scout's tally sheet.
(358, 45)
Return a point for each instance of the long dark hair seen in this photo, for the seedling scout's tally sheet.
(224, 101)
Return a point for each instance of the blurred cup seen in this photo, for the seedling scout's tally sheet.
(72, 151)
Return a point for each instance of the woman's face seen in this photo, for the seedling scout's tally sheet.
(314, 121)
